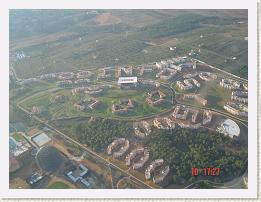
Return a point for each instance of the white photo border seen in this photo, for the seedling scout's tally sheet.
(251, 192)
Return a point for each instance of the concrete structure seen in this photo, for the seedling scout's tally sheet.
(105, 73)
(190, 96)
(188, 76)
(83, 74)
(36, 110)
(142, 129)
(123, 106)
(131, 158)
(207, 76)
(161, 176)
(48, 76)
(145, 69)
(150, 83)
(125, 71)
(240, 96)
(194, 116)
(230, 128)
(18, 148)
(151, 169)
(196, 97)
(201, 100)
(127, 82)
(229, 83)
(207, 117)
(83, 105)
(163, 123)
(41, 139)
(155, 97)
(245, 86)
(166, 74)
(120, 142)
(78, 175)
(188, 84)
(34, 178)
(66, 75)
(236, 109)
(177, 113)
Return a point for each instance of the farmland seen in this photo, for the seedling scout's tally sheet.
(77, 38)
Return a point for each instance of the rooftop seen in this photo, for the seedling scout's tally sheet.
(123, 80)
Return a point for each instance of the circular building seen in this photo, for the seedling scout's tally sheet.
(49, 159)
(230, 128)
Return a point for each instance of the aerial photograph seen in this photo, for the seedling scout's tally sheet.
(128, 99)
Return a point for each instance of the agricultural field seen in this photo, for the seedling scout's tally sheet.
(79, 39)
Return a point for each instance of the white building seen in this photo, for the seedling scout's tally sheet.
(127, 82)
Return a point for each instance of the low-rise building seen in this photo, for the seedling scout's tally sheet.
(48, 76)
(142, 129)
(125, 144)
(194, 116)
(105, 73)
(84, 105)
(65, 75)
(163, 123)
(149, 83)
(77, 175)
(201, 100)
(197, 97)
(180, 113)
(192, 75)
(236, 109)
(240, 96)
(155, 97)
(230, 84)
(131, 158)
(123, 106)
(83, 74)
(125, 71)
(207, 117)
(207, 76)
(157, 178)
(189, 125)
(166, 74)
(127, 82)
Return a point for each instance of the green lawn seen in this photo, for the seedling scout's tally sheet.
(107, 99)
(17, 136)
(58, 185)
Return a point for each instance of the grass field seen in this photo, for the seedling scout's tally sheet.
(65, 40)
(17, 136)
(58, 185)
(107, 99)
(216, 96)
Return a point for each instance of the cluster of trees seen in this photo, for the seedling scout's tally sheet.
(184, 149)
(99, 132)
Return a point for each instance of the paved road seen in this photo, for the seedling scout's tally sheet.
(242, 121)
(221, 70)
(81, 145)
